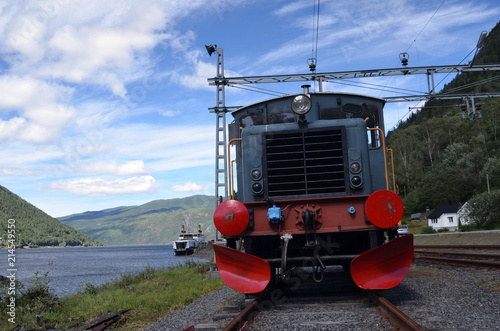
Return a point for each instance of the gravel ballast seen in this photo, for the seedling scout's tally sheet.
(437, 297)
(200, 311)
(442, 297)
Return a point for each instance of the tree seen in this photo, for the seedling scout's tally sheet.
(484, 210)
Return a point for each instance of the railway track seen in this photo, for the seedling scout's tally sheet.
(363, 311)
(489, 257)
(310, 308)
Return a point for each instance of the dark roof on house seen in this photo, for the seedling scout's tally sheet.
(444, 209)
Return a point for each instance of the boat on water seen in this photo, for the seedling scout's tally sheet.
(188, 242)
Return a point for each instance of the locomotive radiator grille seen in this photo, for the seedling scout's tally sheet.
(304, 163)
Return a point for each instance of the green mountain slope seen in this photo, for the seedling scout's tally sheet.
(155, 222)
(440, 157)
(35, 228)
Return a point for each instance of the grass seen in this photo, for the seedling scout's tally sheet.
(491, 284)
(416, 227)
(149, 296)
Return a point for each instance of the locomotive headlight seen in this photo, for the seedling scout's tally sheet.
(301, 104)
(355, 167)
(256, 174)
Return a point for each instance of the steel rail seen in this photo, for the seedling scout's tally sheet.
(476, 263)
(396, 316)
(459, 254)
(105, 321)
(240, 322)
(478, 247)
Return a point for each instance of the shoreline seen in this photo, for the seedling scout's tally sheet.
(42, 247)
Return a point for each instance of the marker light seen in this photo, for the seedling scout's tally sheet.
(355, 167)
(257, 188)
(256, 174)
(356, 181)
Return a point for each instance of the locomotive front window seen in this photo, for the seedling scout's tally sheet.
(334, 113)
(282, 117)
(251, 119)
(370, 113)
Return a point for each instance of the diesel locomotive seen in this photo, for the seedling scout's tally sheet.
(309, 187)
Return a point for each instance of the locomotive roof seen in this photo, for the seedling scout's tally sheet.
(313, 93)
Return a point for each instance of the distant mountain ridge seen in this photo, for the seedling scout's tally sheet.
(155, 222)
(33, 227)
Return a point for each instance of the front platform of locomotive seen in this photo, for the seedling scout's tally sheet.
(312, 190)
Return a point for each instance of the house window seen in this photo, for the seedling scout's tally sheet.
(450, 219)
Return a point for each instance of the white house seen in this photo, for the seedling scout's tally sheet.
(445, 216)
(463, 214)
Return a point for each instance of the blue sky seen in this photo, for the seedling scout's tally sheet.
(105, 103)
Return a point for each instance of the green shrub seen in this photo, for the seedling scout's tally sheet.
(468, 227)
(89, 289)
(428, 230)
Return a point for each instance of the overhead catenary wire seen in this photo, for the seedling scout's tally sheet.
(479, 82)
(258, 90)
(430, 19)
(415, 41)
(375, 86)
(443, 79)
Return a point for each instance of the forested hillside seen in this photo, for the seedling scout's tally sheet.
(440, 157)
(155, 222)
(35, 228)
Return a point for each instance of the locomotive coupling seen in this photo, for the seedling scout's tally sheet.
(308, 217)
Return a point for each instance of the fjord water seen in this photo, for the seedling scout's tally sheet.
(70, 267)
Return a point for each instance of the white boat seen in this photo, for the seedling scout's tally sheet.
(188, 242)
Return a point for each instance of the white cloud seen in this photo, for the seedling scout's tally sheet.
(40, 107)
(169, 113)
(15, 172)
(11, 128)
(135, 167)
(103, 187)
(102, 45)
(188, 187)
(89, 41)
(292, 7)
(198, 79)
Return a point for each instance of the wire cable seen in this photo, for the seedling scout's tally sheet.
(257, 89)
(430, 19)
(382, 87)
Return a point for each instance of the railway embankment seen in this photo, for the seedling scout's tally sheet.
(491, 237)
